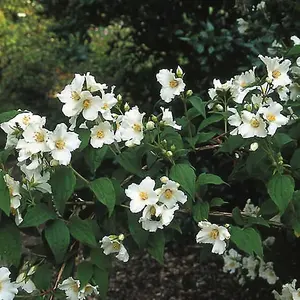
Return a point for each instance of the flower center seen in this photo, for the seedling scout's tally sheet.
(173, 83)
(143, 195)
(11, 190)
(75, 96)
(116, 245)
(137, 127)
(271, 117)
(276, 73)
(243, 84)
(254, 123)
(13, 211)
(100, 134)
(1, 286)
(60, 144)
(214, 234)
(168, 194)
(26, 120)
(74, 287)
(152, 210)
(105, 106)
(86, 103)
(39, 137)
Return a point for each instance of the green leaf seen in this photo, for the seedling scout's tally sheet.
(294, 51)
(295, 160)
(200, 138)
(281, 189)
(282, 139)
(210, 120)
(105, 192)
(82, 231)
(156, 246)
(237, 216)
(84, 136)
(232, 143)
(139, 235)
(198, 104)
(257, 221)
(94, 157)
(43, 276)
(8, 115)
(217, 202)
(99, 259)
(4, 154)
(172, 137)
(205, 178)
(101, 279)
(10, 243)
(37, 215)
(247, 239)
(185, 175)
(63, 183)
(58, 238)
(200, 211)
(4, 195)
(85, 272)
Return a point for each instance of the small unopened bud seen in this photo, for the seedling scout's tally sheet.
(236, 155)
(126, 107)
(173, 148)
(121, 237)
(150, 125)
(269, 80)
(179, 72)
(32, 270)
(154, 118)
(119, 98)
(164, 151)
(219, 107)
(210, 10)
(189, 93)
(253, 146)
(164, 142)
(169, 153)
(54, 163)
(164, 179)
(248, 107)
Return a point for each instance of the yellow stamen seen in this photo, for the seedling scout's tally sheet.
(86, 103)
(105, 106)
(243, 84)
(214, 234)
(60, 144)
(116, 246)
(100, 134)
(13, 211)
(39, 137)
(152, 210)
(254, 123)
(276, 73)
(75, 96)
(271, 117)
(137, 127)
(173, 83)
(168, 194)
(74, 287)
(26, 120)
(1, 286)
(143, 195)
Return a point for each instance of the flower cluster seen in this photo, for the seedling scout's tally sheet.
(288, 292)
(158, 205)
(114, 244)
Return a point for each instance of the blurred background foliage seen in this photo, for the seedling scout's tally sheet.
(43, 43)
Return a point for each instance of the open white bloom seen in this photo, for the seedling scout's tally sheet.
(155, 216)
(272, 115)
(107, 102)
(89, 105)
(112, 244)
(213, 234)
(88, 290)
(167, 118)
(261, 5)
(102, 134)
(25, 283)
(169, 194)
(62, 143)
(232, 261)
(218, 88)
(92, 85)
(277, 70)
(131, 128)
(250, 264)
(171, 86)
(288, 291)
(253, 125)
(71, 288)
(234, 120)
(36, 180)
(141, 195)
(250, 209)
(283, 92)
(295, 40)
(266, 272)
(243, 25)
(8, 289)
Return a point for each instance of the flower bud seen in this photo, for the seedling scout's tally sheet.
(32, 270)
(164, 142)
(164, 179)
(126, 107)
(179, 72)
(219, 107)
(119, 98)
(150, 125)
(269, 80)
(54, 163)
(253, 146)
(248, 107)
(173, 148)
(121, 237)
(154, 118)
(169, 153)
(189, 93)
(237, 156)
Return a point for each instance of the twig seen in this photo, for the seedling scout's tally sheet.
(131, 176)
(207, 147)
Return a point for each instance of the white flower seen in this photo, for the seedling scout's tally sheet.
(274, 47)
(25, 283)
(213, 234)
(89, 105)
(254, 146)
(231, 261)
(253, 125)
(283, 93)
(88, 290)
(118, 120)
(62, 143)
(250, 264)
(107, 102)
(269, 241)
(250, 209)
(169, 194)
(171, 86)
(71, 288)
(155, 216)
(272, 115)
(131, 128)
(288, 291)
(218, 88)
(111, 244)
(234, 120)
(167, 118)
(261, 5)
(8, 289)
(277, 70)
(92, 85)
(142, 194)
(243, 25)
(36, 180)
(266, 272)
(295, 91)
(295, 40)
(102, 134)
